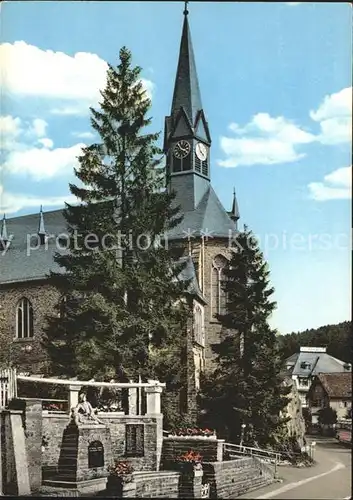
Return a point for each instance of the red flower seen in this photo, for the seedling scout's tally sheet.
(190, 456)
(121, 468)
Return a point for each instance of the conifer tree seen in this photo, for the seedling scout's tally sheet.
(119, 286)
(246, 387)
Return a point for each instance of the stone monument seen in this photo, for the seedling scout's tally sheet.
(86, 451)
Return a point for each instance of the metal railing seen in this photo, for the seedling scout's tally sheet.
(271, 457)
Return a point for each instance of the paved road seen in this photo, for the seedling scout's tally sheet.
(330, 478)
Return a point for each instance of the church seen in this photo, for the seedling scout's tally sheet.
(26, 294)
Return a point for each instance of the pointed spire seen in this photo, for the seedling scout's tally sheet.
(234, 214)
(3, 229)
(41, 228)
(186, 89)
(3, 235)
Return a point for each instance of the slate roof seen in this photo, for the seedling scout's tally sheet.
(189, 273)
(320, 362)
(208, 216)
(186, 90)
(337, 385)
(20, 263)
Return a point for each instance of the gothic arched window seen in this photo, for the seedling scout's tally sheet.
(62, 307)
(198, 326)
(218, 294)
(24, 319)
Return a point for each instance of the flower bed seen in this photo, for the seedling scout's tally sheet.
(193, 432)
(120, 474)
(61, 406)
(187, 462)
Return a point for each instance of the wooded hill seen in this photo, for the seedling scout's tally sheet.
(336, 338)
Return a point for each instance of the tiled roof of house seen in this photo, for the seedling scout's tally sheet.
(337, 385)
(306, 364)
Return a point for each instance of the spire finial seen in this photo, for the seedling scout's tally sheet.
(41, 227)
(3, 235)
(186, 12)
(234, 215)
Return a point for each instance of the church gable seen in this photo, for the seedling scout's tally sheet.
(201, 128)
(182, 126)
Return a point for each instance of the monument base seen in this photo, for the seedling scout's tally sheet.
(73, 488)
(85, 453)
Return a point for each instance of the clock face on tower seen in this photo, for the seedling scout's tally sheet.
(201, 151)
(181, 149)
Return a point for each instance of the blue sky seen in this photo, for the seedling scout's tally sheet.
(276, 89)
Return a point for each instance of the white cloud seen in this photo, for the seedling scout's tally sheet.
(46, 142)
(72, 83)
(11, 203)
(336, 186)
(333, 105)
(334, 116)
(29, 153)
(14, 132)
(83, 135)
(269, 140)
(10, 126)
(39, 127)
(43, 163)
(10, 129)
(264, 140)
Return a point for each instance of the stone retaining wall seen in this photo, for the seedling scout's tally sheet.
(234, 477)
(209, 448)
(157, 484)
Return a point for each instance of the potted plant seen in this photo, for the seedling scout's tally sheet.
(119, 474)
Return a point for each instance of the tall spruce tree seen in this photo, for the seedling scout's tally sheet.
(119, 280)
(246, 386)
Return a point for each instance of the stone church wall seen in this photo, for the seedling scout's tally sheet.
(28, 353)
(213, 248)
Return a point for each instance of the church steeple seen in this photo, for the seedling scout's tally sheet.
(187, 139)
(186, 89)
(234, 213)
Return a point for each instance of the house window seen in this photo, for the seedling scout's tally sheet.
(317, 403)
(24, 319)
(303, 382)
(219, 296)
(303, 399)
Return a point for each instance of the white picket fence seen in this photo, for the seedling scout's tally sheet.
(8, 386)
